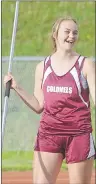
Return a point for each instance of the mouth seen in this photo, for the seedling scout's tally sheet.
(71, 42)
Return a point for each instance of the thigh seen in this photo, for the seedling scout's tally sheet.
(80, 173)
(80, 157)
(46, 167)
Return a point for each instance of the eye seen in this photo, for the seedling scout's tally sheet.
(75, 33)
(67, 32)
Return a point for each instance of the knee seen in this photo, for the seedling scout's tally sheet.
(42, 179)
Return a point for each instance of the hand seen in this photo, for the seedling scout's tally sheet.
(8, 78)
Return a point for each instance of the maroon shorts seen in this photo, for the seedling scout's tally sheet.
(73, 148)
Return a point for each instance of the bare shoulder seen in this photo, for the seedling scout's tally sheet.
(89, 61)
(39, 69)
(89, 66)
(40, 66)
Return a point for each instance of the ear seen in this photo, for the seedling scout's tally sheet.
(54, 35)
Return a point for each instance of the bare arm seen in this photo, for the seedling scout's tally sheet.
(89, 68)
(35, 101)
(30, 100)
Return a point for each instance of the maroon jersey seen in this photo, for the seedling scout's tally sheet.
(66, 101)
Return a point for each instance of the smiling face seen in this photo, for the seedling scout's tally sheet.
(66, 34)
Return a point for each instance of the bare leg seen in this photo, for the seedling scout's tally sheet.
(80, 173)
(46, 167)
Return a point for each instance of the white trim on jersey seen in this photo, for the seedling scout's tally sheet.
(47, 72)
(76, 78)
(82, 78)
(46, 60)
(80, 60)
(83, 81)
(92, 148)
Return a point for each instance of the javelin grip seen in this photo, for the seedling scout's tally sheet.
(8, 86)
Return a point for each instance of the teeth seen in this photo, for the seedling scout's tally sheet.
(69, 42)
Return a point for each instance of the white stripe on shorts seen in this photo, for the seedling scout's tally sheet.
(92, 148)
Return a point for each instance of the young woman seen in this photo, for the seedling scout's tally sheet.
(62, 86)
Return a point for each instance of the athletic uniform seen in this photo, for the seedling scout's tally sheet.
(65, 125)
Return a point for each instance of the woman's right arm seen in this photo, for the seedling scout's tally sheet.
(35, 101)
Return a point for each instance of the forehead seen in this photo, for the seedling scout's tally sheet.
(68, 24)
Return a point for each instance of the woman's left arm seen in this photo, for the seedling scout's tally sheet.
(90, 75)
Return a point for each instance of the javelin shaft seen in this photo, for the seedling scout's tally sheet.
(13, 36)
(7, 91)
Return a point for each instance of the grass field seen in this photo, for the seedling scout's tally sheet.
(33, 38)
(35, 23)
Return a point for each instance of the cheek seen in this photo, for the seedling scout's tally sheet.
(77, 37)
(62, 37)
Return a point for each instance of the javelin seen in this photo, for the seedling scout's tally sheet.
(7, 91)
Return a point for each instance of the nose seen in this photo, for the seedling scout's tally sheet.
(71, 35)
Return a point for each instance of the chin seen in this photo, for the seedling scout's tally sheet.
(67, 48)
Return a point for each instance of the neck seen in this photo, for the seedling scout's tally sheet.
(64, 53)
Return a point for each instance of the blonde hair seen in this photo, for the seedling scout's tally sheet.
(55, 29)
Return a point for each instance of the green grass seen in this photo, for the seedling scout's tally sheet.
(35, 24)
(21, 160)
(33, 38)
